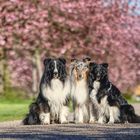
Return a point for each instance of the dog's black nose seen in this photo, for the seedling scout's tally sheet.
(55, 73)
(80, 76)
(98, 74)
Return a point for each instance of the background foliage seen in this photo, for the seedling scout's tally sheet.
(107, 31)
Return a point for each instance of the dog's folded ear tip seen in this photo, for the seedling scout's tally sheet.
(105, 65)
(92, 64)
(73, 59)
(87, 59)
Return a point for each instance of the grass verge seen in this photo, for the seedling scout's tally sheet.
(13, 110)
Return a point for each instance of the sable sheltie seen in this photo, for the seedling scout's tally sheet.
(54, 91)
(108, 103)
(79, 89)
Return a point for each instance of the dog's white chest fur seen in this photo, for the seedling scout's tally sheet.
(96, 86)
(56, 94)
(80, 92)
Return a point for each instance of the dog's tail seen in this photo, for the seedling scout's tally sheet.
(129, 114)
(32, 117)
(135, 119)
(25, 121)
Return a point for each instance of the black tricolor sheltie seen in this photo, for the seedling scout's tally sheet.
(108, 103)
(54, 92)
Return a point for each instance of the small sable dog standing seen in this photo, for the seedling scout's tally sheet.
(54, 92)
(107, 100)
(79, 89)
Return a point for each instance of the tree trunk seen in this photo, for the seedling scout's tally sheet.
(38, 63)
(34, 75)
(36, 71)
(1, 71)
(6, 76)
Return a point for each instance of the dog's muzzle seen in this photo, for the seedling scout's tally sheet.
(80, 77)
(98, 77)
(55, 75)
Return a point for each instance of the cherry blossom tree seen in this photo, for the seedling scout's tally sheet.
(108, 31)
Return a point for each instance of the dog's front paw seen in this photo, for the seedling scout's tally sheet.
(79, 122)
(111, 122)
(92, 121)
(64, 122)
(101, 121)
(44, 118)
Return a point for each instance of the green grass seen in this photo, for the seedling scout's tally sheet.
(13, 110)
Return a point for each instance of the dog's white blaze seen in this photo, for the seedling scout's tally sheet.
(55, 66)
(56, 95)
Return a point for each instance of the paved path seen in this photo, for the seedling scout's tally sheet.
(15, 130)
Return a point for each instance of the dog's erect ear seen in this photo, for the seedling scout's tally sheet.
(46, 60)
(105, 65)
(63, 60)
(86, 59)
(73, 63)
(92, 64)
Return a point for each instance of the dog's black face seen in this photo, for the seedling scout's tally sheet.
(99, 71)
(55, 69)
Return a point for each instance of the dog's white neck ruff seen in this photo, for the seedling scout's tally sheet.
(96, 86)
(80, 91)
(56, 94)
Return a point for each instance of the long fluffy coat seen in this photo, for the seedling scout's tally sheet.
(54, 92)
(106, 98)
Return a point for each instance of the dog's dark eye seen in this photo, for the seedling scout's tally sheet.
(51, 66)
(104, 71)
